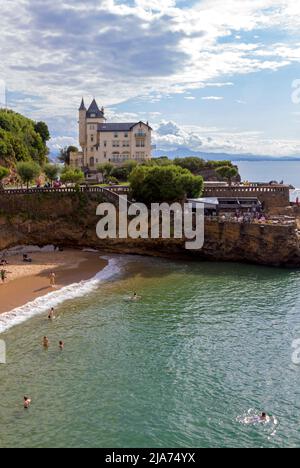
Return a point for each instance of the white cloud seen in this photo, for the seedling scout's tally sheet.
(52, 53)
(169, 136)
(117, 51)
(212, 98)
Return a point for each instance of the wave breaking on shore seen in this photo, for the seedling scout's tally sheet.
(44, 303)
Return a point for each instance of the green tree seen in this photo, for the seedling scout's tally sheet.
(193, 164)
(228, 173)
(52, 172)
(28, 171)
(42, 129)
(19, 139)
(106, 170)
(65, 154)
(4, 172)
(164, 184)
(72, 176)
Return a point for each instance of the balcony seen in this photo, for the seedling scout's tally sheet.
(140, 135)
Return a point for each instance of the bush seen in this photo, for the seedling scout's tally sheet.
(113, 180)
(28, 171)
(72, 176)
(121, 173)
(4, 172)
(51, 172)
(164, 184)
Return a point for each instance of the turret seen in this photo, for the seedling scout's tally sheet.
(82, 125)
(94, 114)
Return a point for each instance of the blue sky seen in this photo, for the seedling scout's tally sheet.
(210, 75)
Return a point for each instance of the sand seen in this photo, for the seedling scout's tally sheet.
(26, 282)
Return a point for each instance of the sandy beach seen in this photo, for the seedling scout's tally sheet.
(27, 281)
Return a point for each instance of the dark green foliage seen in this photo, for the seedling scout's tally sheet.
(227, 172)
(164, 184)
(42, 129)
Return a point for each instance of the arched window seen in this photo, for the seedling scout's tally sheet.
(116, 156)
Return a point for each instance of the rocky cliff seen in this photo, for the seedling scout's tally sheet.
(70, 220)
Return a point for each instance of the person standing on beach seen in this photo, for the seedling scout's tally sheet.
(3, 275)
(52, 280)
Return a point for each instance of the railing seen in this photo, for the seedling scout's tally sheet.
(247, 189)
(90, 189)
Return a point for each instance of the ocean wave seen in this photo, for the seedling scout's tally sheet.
(55, 298)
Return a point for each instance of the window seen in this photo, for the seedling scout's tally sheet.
(92, 148)
(92, 162)
(126, 135)
(105, 155)
(116, 135)
(92, 127)
(116, 144)
(105, 144)
(140, 144)
(92, 138)
(93, 115)
(126, 144)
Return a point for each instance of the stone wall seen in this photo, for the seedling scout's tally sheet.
(70, 220)
(272, 196)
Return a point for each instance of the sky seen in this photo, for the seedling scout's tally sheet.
(209, 75)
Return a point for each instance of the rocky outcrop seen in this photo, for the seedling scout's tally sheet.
(70, 221)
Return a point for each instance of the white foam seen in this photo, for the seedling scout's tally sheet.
(55, 298)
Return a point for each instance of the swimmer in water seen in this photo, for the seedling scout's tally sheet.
(61, 345)
(27, 402)
(264, 417)
(51, 315)
(46, 342)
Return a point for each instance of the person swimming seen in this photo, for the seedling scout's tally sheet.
(61, 345)
(51, 315)
(264, 417)
(27, 402)
(46, 342)
(135, 297)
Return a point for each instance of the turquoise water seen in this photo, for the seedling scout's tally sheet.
(205, 344)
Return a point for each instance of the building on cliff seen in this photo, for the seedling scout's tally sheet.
(103, 142)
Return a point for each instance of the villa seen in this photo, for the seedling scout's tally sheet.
(102, 142)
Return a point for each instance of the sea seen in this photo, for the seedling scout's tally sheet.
(267, 171)
(192, 363)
